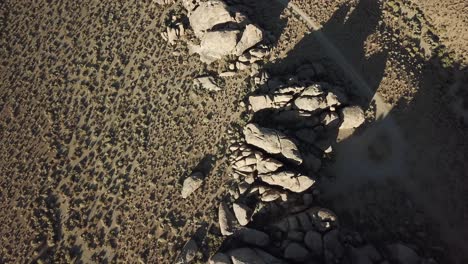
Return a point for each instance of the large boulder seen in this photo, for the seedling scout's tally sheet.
(272, 141)
(250, 37)
(352, 116)
(216, 44)
(289, 180)
(209, 14)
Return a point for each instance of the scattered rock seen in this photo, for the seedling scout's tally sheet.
(311, 104)
(191, 184)
(294, 182)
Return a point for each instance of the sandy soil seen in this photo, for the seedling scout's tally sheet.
(99, 122)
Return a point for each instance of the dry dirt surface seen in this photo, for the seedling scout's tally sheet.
(100, 123)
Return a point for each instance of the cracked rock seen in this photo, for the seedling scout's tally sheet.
(272, 141)
(294, 182)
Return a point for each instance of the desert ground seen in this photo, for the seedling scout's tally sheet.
(101, 121)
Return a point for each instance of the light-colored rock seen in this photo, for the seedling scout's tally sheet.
(243, 187)
(272, 141)
(242, 212)
(313, 241)
(188, 252)
(215, 45)
(227, 221)
(311, 104)
(253, 237)
(207, 15)
(270, 195)
(333, 249)
(296, 252)
(191, 184)
(313, 90)
(402, 254)
(207, 82)
(294, 182)
(250, 37)
(268, 165)
(352, 116)
(219, 258)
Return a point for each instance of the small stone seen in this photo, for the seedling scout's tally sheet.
(242, 212)
(191, 184)
(296, 252)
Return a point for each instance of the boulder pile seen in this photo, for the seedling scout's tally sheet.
(222, 31)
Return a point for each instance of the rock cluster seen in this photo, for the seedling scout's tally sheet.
(221, 30)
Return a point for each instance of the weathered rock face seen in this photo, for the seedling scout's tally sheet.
(219, 258)
(216, 44)
(209, 14)
(289, 180)
(353, 117)
(272, 141)
(260, 102)
(250, 37)
(221, 31)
